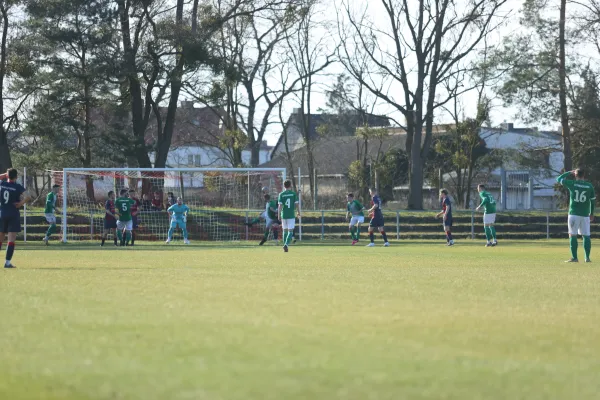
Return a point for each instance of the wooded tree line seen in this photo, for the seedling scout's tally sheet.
(84, 83)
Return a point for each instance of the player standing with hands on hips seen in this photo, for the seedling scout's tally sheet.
(582, 203)
(11, 200)
(489, 215)
(288, 202)
(376, 219)
(446, 214)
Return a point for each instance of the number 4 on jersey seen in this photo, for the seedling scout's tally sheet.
(287, 203)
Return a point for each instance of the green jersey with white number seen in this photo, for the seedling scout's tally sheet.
(355, 208)
(123, 207)
(487, 202)
(582, 197)
(288, 201)
(50, 203)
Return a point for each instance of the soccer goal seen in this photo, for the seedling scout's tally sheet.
(221, 200)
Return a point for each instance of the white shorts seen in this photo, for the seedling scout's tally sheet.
(50, 218)
(579, 225)
(270, 222)
(127, 225)
(288, 224)
(358, 219)
(489, 219)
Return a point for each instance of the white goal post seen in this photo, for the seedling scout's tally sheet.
(214, 195)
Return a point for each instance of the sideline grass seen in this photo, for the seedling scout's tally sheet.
(414, 321)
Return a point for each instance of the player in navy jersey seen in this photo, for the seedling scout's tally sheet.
(11, 200)
(447, 215)
(376, 219)
(110, 219)
(134, 214)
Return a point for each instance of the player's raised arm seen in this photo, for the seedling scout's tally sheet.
(4, 177)
(564, 176)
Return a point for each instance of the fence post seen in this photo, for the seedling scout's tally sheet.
(247, 225)
(300, 205)
(322, 225)
(397, 225)
(472, 225)
(503, 189)
(530, 190)
(315, 189)
(25, 206)
(91, 224)
(547, 225)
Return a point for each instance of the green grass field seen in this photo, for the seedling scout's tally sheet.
(413, 321)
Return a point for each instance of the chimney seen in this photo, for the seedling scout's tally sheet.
(187, 104)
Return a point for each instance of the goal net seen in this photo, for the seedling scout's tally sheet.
(221, 200)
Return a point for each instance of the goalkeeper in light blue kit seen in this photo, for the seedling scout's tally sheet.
(178, 213)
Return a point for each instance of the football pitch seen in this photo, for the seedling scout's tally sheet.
(416, 320)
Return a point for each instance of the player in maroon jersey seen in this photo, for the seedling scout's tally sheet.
(134, 213)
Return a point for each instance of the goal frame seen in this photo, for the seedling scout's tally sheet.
(66, 171)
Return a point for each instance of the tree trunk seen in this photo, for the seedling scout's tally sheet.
(135, 90)
(5, 160)
(562, 74)
(415, 183)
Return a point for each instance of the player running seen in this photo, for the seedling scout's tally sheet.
(582, 203)
(110, 219)
(49, 212)
(376, 219)
(447, 215)
(11, 200)
(270, 217)
(124, 224)
(358, 217)
(288, 201)
(489, 215)
(134, 214)
(178, 213)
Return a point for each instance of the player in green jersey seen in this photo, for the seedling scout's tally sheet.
(124, 224)
(358, 217)
(271, 221)
(288, 202)
(488, 203)
(49, 212)
(582, 203)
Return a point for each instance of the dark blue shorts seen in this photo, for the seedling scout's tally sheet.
(377, 222)
(110, 224)
(10, 224)
(448, 221)
(135, 221)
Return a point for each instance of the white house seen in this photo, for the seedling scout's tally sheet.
(196, 142)
(547, 144)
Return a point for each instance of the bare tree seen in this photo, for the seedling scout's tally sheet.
(411, 51)
(309, 55)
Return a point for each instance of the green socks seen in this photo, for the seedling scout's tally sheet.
(357, 233)
(488, 233)
(51, 230)
(353, 233)
(120, 235)
(266, 235)
(493, 232)
(573, 242)
(587, 246)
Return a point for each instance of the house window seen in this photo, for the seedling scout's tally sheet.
(197, 160)
(190, 159)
